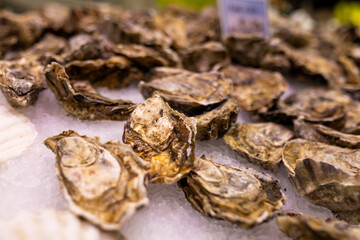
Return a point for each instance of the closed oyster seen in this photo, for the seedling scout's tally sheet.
(321, 133)
(255, 89)
(238, 195)
(205, 57)
(307, 227)
(104, 183)
(80, 100)
(260, 143)
(163, 137)
(327, 175)
(21, 81)
(188, 92)
(50, 224)
(215, 123)
(313, 105)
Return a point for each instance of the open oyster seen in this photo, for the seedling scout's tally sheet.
(104, 183)
(238, 195)
(327, 175)
(307, 227)
(321, 133)
(314, 105)
(21, 81)
(255, 89)
(163, 137)
(191, 93)
(205, 57)
(214, 124)
(50, 224)
(260, 143)
(79, 99)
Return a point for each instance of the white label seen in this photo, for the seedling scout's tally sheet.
(244, 16)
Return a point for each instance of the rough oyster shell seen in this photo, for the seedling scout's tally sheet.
(104, 183)
(21, 81)
(188, 92)
(327, 175)
(239, 195)
(215, 123)
(81, 100)
(163, 137)
(205, 57)
(50, 224)
(255, 89)
(307, 227)
(260, 143)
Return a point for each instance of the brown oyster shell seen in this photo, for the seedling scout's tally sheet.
(191, 93)
(308, 227)
(21, 81)
(163, 137)
(327, 175)
(80, 100)
(104, 183)
(205, 57)
(214, 124)
(255, 89)
(260, 143)
(321, 133)
(238, 195)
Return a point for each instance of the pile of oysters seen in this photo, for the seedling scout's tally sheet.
(195, 83)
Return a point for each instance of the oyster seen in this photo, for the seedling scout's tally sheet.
(255, 89)
(327, 175)
(307, 227)
(215, 123)
(163, 137)
(205, 57)
(238, 195)
(104, 183)
(314, 105)
(80, 100)
(160, 72)
(188, 92)
(321, 133)
(50, 224)
(17, 133)
(21, 81)
(260, 143)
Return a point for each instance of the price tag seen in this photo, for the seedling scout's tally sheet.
(244, 16)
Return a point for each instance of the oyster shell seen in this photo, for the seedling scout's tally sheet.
(215, 123)
(80, 100)
(104, 183)
(50, 224)
(255, 89)
(238, 195)
(321, 133)
(205, 57)
(260, 143)
(307, 227)
(327, 175)
(17, 133)
(21, 81)
(188, 92)
(163, 137)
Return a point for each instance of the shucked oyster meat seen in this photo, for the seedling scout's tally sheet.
(191, 93)
(260, 143)
(104, 183)
(327, 175)
(255, 89)
(21, 81)
(238, 195)
(303, 227)
(163, 137)
(80, 100)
